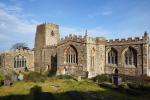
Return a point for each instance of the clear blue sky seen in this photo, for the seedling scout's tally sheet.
(104, 18)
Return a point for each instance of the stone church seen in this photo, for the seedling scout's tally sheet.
(74, 54)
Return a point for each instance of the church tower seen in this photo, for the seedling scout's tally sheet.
(47, 36)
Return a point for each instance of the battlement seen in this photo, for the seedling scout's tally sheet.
(130, 39)
(72, 37)
(19, 50)
(143, 39)
(24, 50)
(46, 24)
(80, 38)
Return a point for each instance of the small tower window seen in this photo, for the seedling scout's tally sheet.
(52, 33)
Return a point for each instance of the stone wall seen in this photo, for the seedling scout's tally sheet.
(8, 59)
(84, 46)
(98, 46)
(92, 54)
(46, 40)
(140, 45)
(48, 46)
(80, 47)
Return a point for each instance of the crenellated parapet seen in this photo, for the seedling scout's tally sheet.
(19, 51)
(129, 40)
(46, 24)
(72, 37)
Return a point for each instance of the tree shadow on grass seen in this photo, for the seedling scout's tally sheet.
(36, 93)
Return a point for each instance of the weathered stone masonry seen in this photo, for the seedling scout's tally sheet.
(8, 59)
(75, 55)
(87, 54)
(140, 45)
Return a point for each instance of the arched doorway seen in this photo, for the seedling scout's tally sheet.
(53, 67)
(116, 71)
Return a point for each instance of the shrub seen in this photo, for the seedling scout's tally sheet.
(26, 69)
(132, 86)
(2, 77)
(1, 82)
(140, 87)
(106, 85)
(35, 77)
(122, 89)
(64, 77)
(101, 78)
(8, 77)
(133, 92)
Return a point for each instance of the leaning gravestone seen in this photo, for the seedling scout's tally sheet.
(14, 78)
(20, 77)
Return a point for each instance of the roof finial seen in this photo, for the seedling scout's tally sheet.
(145, 33)
(86, 34)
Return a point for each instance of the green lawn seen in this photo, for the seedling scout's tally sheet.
(63, 89)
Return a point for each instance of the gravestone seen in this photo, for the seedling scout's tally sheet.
(79, 78)
(7, 82)
(20, 77)
(85, 74)
(14, 78)
(117, 80)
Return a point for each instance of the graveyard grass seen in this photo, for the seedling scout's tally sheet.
(59, 87)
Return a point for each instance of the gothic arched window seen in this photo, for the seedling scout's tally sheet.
(112, 56)
(71, 55)
(92, 57)
(130, 57)
(19, 61)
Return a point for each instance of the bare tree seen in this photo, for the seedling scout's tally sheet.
(20, 46)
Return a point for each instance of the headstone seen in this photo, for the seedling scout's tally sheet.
(79, 78)
(14, 78)
(25, 78)
(20, 77)
(116, 80)
(119, 80)
(85, 74)
(7, 82)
